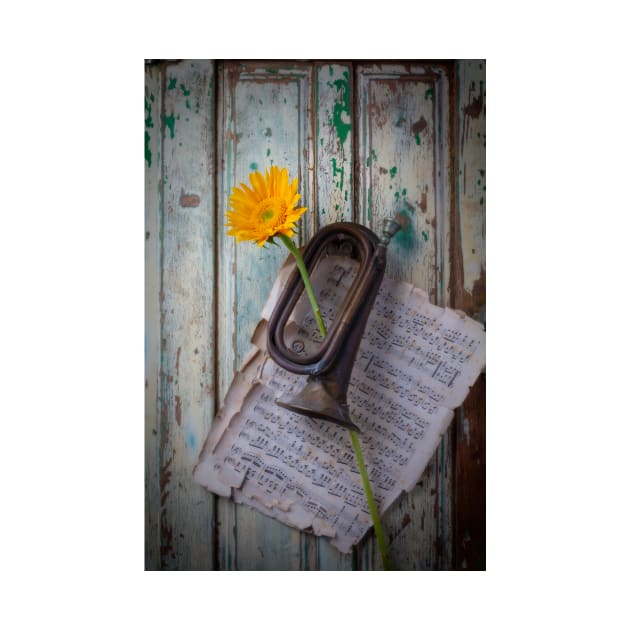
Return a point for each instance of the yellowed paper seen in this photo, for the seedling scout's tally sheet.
(415, 365)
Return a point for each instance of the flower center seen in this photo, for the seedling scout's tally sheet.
(272, 209)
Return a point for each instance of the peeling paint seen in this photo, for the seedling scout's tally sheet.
(337, 171)
(466, 430)
(406, 237)
(148, 124)
(169, 121)
(178, 410)
(474, 108)
(423, 201)
(189, 200)
(147, 148)
(341, 109)
(191, 440)
(419, 126)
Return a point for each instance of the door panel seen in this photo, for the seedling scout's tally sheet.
(403, 171)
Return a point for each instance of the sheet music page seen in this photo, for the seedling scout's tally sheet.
(415, 365)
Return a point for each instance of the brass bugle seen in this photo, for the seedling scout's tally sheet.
(329, 369)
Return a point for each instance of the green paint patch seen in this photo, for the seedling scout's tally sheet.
(185, 92)
(406, 237)
(428, 94)
(374, 155)
(392, 171)
(404, 192)
(268, 132)
(417, 137)
(188, 104)
(148, 120)
(253, 166)
(425, 236)
(342, 108)
(172, 84)
(368, 162)
(147, 149)
(330, 70)
(272, 71)
(400, 121)
(169, 121)
(338, 171)
(396, 195)
(268, 152)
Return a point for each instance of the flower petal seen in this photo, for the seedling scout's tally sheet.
(259, 184)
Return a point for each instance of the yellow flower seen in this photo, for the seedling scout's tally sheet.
(266, 209)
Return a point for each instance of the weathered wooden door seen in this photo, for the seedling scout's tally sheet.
(366, 140)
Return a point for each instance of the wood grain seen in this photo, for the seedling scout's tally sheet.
(468, 281)
(265, 117)
(152, 220)
(187, 312)
(334, 107)
(403, 171)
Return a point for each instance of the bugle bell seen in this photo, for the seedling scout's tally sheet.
(329, 369)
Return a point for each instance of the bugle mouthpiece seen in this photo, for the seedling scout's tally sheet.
(390, 227)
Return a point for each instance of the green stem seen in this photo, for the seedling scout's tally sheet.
(356, 445)
(378, 529)
(307, 281)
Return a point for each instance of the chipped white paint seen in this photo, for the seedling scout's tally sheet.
(333, 143)
(187, 314)
(264, 114)
(403, 171)
(472, 174)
